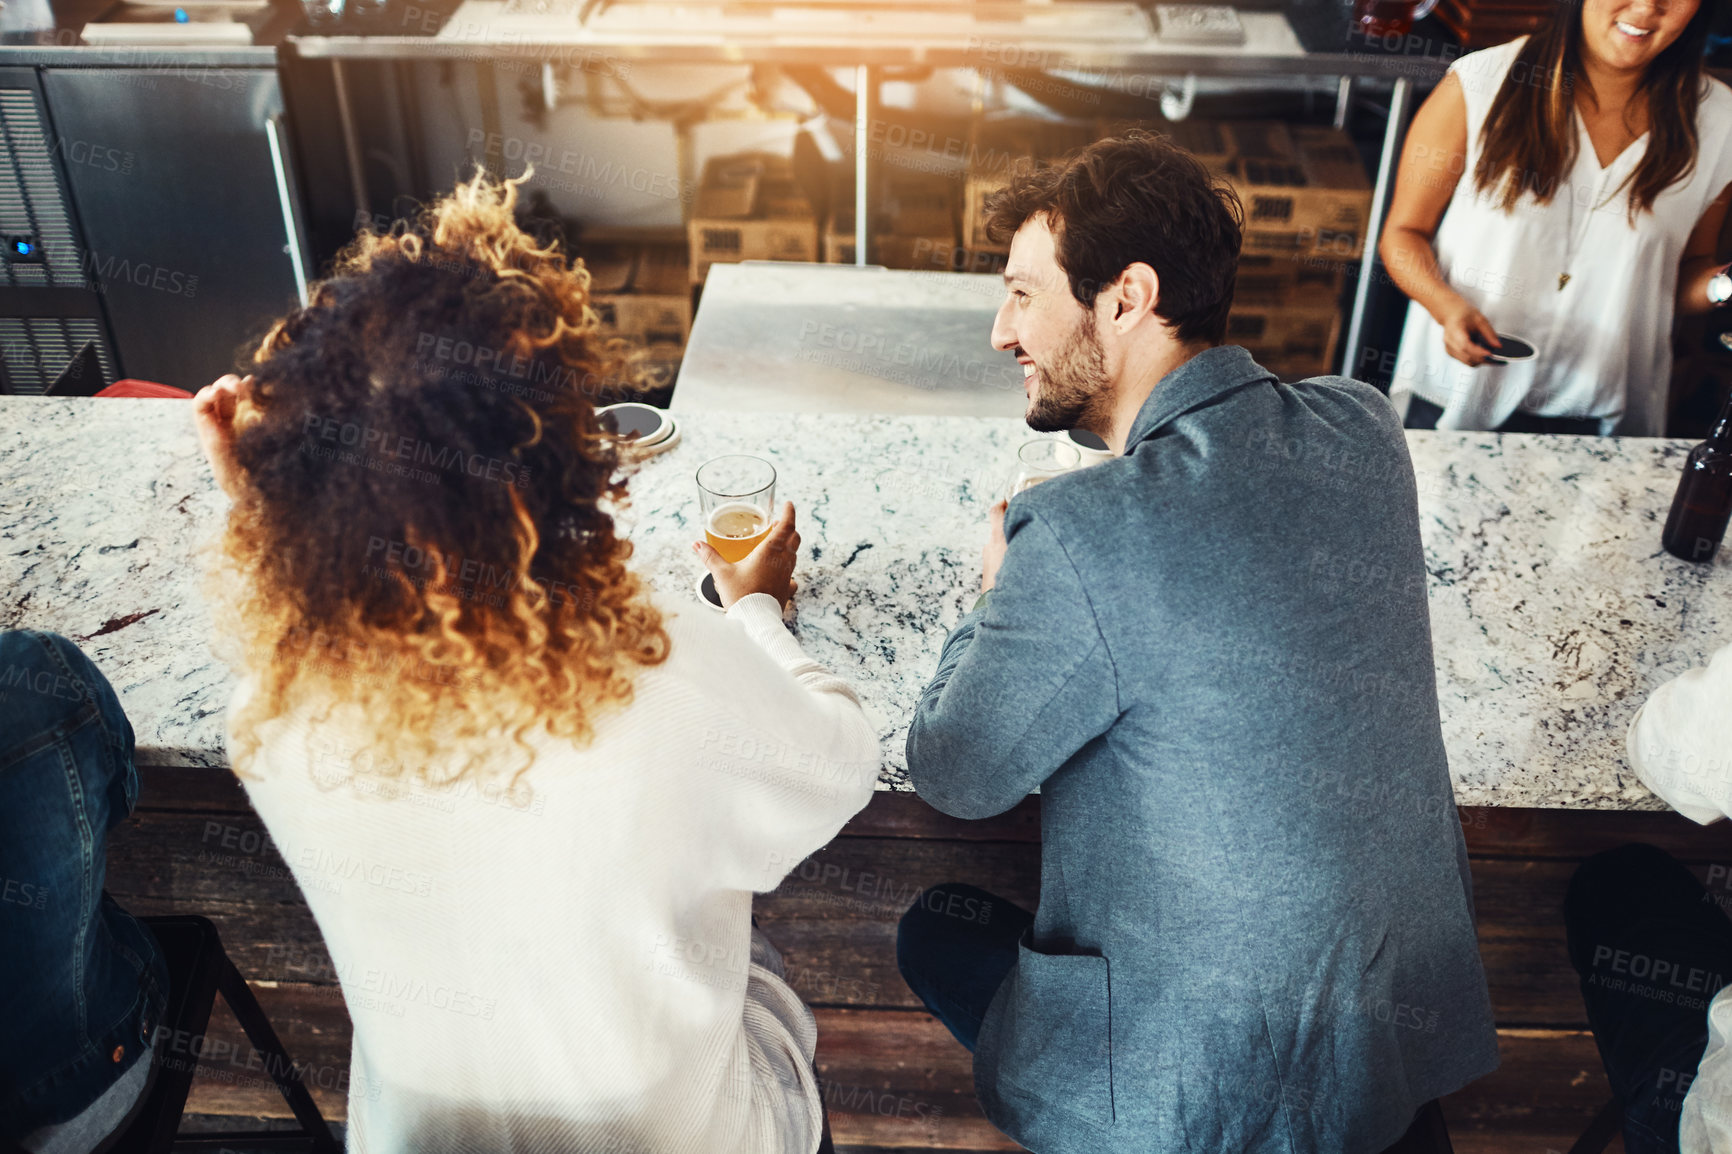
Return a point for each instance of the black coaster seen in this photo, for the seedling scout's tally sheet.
(707, 590)
(1507, 349)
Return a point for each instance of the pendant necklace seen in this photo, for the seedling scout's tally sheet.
(1579, 232)
(1577, 229)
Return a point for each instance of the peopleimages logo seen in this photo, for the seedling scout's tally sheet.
(492, 362)
(412, 449)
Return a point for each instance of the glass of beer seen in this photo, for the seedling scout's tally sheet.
(737, 495)
(1043, 460)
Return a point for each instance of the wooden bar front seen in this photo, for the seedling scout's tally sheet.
(893, 1077)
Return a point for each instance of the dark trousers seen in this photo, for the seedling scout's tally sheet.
(954, 947)
(1652, 948)
(1422, 414)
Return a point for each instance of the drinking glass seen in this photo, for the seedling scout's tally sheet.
(1389, 17)
(737, 496)
(1043, 460)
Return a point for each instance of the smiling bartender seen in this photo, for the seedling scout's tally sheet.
(1581, 177)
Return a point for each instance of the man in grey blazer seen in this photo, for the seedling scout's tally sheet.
(1212, 655)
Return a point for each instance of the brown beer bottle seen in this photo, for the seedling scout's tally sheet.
(1704, 501)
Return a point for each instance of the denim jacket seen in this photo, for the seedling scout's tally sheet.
(82, 983)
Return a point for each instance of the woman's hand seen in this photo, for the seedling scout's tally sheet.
(768, 568)
(1460, 326)
(213, 413)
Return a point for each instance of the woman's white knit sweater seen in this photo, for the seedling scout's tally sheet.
(570, 966)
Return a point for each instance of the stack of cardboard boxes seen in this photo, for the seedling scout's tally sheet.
(639, 291)
(999, 151)
(1304, 191)
(750, 207)
(914, 221)
(1306, 199)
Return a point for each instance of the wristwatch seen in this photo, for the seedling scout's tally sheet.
(1720, 287)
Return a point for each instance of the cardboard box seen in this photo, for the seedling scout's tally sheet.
(729, 187)
(918, 204)
(1291, 342)
(776, 222)
(1261, 141)
(919, 217)
(921, 253)
(1210, 141)
(1003, 149)
(658, 309)
(974, 193)
(1315, 203)
(1280, 281)
(839, 247)
(652, 304)
(915, 218)
(839, 228)
(610, 267)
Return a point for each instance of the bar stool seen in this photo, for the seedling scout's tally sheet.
(199, 969)
(1601, 1130)
(82, 377)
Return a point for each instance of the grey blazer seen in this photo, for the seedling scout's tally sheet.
(1213, 656)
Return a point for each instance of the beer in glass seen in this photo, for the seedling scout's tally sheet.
(737, 495)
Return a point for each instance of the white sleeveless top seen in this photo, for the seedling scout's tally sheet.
(1602, 340)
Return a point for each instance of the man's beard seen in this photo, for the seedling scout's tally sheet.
(1073, 392)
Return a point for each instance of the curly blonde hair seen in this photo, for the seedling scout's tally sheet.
(423, 531)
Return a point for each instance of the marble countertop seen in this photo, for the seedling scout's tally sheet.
(1554, 612)
(779, 336)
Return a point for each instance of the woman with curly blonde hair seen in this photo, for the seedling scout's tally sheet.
(527, 803)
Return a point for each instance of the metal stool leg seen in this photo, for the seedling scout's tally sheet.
(263, 1037)
(1601, 1130)
(199, 970)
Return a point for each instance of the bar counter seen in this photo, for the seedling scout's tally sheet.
(1553, 610)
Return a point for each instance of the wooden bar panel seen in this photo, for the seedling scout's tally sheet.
(896, 1080)
(1549, 1086)
(1580, 833)
(834, 918)
(193, 858)
(895, 814)
(1489, 830)
(198, 788)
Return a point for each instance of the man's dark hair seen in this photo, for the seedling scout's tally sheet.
(1130, 198)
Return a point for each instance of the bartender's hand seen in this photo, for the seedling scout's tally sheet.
(213, 413)
(992, 556)
(768, 568)
(1459, 329)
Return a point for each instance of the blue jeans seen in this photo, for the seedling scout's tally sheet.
(82, 983)
(954, 947)
(1648, 943)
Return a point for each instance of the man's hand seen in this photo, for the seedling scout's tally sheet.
(213, 413)
(992, 556)
(768, 568)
